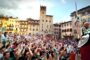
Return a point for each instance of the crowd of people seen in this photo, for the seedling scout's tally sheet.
(37, 47)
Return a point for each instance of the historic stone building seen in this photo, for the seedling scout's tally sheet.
(33, 26)
(29, 26)
(57, 30)
(46, 21)
(9, 24)
(42, 26)
(66, 29)
(23, 27)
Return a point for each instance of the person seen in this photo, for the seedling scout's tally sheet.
(4, 38)
(6, 55)
(12, 55)
(85, 47)
(62, 54)
(72, 56)
(1, 54)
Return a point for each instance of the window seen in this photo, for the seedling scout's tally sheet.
(29, 33)
(42, 29)
(67, 30)
(36, 29)
(46, 21)
(64, 30)
(70, 30)
(33, 29)
(42, 20)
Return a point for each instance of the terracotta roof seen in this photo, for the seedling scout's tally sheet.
(32, 21)
(56, 24)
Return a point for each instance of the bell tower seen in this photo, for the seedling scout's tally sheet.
(42, 18)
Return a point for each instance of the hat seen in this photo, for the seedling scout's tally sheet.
(86, 24)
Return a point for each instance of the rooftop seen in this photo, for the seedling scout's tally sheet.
(49, 15)
(65, 22)
(82, 10)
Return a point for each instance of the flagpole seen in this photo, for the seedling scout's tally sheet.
(76, 8)
(78, 20)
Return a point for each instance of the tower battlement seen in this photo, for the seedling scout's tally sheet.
(43, 8)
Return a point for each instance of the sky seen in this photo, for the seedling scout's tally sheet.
(60, 9)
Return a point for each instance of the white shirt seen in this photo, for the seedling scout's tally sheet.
(3, 38)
